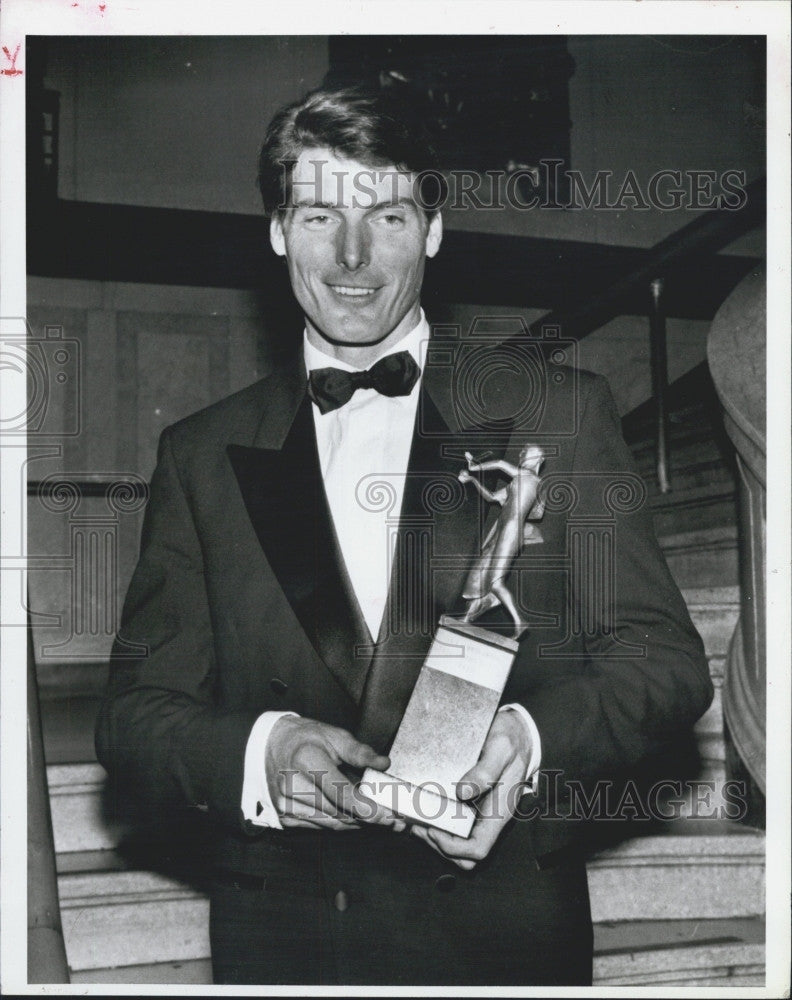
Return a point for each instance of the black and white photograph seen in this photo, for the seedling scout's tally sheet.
(395, 449)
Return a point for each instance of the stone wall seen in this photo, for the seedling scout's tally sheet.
(139, 358)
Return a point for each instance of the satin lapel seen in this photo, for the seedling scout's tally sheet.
(285, 500)
(439, 530)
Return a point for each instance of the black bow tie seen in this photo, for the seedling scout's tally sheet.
(394, 375)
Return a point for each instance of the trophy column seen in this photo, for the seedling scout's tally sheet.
(444, 727)
(459, 688)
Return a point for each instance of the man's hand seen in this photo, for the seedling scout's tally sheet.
(494, 781)
(305, 783)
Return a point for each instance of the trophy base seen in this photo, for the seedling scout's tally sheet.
(444, 727)
(418, 803)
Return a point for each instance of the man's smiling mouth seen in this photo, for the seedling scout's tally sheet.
(352, 291)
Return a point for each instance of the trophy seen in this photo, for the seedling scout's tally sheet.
(460, 684)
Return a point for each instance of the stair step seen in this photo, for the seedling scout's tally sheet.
(701, 509)
(669, 876)
(709, 952)
(85, 862)
(197, 972)
(701, 464)
(697, 496)
(701, 558)
(703, 422)
(131, 918)
(680, 952)
(688, 443)
(699, 475)
(691, 463)
(697, 416)
(690, 398)
(79, 819)
(139, 919)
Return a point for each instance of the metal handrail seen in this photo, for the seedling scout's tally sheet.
(707, 233)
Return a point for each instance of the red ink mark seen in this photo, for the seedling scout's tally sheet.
(13, 71)
(102, 8)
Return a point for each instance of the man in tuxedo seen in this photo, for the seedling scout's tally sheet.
(302, 538)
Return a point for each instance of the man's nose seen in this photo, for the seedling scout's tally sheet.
(353, 250)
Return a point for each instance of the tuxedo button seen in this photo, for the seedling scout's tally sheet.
(446, 883)
(279, 686)
(341, 902)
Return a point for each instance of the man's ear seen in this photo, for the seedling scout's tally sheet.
(277, 238)
(434, 236)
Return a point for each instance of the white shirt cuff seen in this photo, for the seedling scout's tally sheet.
(535, 760)
(257, 806)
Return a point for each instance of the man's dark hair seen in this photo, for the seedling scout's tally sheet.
(374, 127)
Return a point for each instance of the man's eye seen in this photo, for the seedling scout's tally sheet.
(392, 220)
(319, 220)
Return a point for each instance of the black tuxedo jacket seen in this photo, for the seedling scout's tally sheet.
(241, 598)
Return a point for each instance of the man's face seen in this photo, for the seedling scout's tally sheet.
(355, 242)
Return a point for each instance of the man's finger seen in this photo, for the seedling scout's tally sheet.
(494, 815)
(306, 799)
(336, 789)
(488, 770)
(350, 799)
(302, 785)
(467, 852)
(373, 812)
(294, 812)
(318, 772)
(325, 791)
(507, 739)
(423, 834)
(351, 751)
(301, 795)
(289, 821)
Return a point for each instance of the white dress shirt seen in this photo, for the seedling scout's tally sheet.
(365, 442)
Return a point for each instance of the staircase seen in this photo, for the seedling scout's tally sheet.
(685, 907)
(679, 903)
